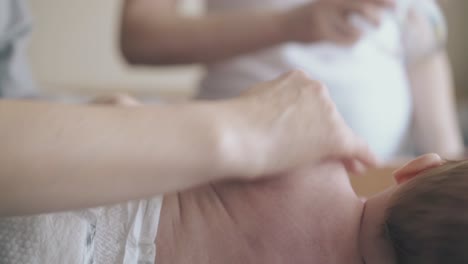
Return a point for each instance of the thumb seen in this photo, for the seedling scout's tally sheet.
(362, 152)
(119, 99)
(352, 148)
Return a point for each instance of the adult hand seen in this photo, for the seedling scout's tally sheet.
(290, 122)
(331, 20)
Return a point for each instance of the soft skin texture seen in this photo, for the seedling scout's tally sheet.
(311, 215)
(63, 157)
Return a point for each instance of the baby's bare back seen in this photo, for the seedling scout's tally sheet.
(310, 216)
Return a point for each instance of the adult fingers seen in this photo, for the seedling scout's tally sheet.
(343, 32)
(354, 167)
(351, 147)
(362, 153)
(369, 12)
(117, 99)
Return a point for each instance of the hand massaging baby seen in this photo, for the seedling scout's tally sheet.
(314, 216)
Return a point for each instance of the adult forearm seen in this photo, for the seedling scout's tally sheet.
(64, 157)
(57, 157)
(436, 121)
(147, 38)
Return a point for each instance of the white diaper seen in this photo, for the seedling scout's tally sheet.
(123, 233)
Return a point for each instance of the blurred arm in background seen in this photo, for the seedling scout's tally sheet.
(435, 116)
(153, 32)
(429, 70)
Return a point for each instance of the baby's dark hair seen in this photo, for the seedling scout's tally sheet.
(427, 218)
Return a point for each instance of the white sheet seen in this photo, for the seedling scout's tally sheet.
(122, 233)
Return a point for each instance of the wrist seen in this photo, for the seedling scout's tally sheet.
(236, 142)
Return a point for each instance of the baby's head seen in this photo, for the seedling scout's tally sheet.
(424, 219)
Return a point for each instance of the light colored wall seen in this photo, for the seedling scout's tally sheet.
(457, 17)
(75, 46)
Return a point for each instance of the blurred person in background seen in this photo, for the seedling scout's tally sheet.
(384, 61)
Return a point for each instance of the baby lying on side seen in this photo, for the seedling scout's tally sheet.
(314, 216)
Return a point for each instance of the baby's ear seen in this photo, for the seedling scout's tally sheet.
(416, 166)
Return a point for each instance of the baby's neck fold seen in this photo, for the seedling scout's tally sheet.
(374, 246)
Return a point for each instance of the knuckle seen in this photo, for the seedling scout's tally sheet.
(330, 108)
(320, 87)
(339, 131)
(320, 90)
(300, 74)
(343, 142)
